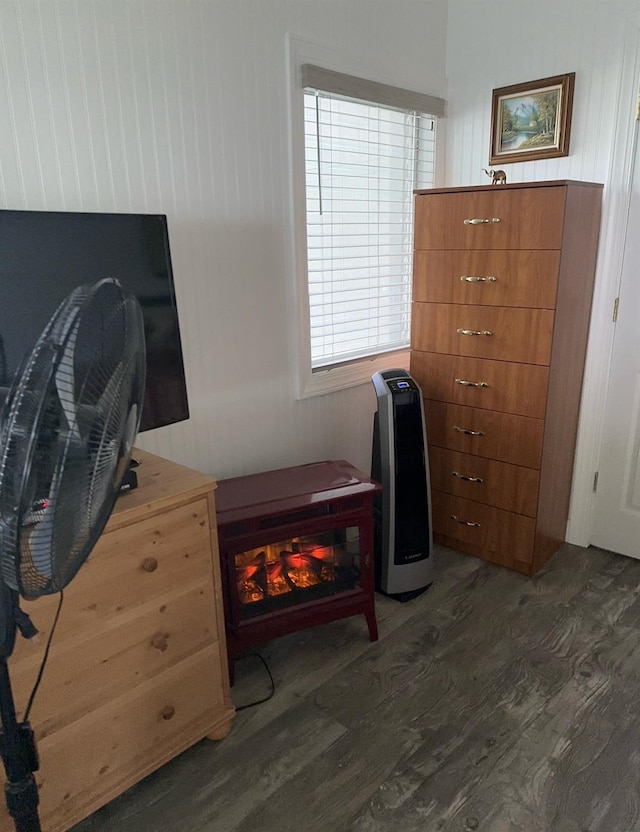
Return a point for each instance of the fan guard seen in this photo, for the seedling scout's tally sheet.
(66, 435)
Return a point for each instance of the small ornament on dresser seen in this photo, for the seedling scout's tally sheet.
(498, 177)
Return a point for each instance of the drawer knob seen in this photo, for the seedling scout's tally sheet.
(465, 522)
(471, 383)
(481, 221)
(474, 332)
(150, 564)
(465, 478)
(468, 432)
(168, 712)
(160, 641)
(470, 278)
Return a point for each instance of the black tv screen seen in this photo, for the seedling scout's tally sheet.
(44, 255)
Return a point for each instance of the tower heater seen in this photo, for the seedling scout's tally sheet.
(400, 462)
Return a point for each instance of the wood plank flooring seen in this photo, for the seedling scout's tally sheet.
(493, 702)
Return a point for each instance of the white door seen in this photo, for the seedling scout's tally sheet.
(617, 510)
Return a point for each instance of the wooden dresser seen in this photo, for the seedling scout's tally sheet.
(138, 668)
(503, 283)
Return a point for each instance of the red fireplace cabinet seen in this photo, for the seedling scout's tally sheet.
(296, 548)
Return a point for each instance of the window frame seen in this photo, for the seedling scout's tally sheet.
(359, 371)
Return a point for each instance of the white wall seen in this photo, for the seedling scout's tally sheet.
(496, 43)
(180, 107)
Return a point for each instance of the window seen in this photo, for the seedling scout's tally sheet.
(363, 159)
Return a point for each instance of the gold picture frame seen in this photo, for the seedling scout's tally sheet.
(532, 121)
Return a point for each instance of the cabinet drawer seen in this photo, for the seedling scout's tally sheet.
(528, 218)
(507, 334)
(500, 436)
(506, 278)
(509, 487)
(132, 565)
(82, 674)
(97, 757)
(500, 536)
(478, 382)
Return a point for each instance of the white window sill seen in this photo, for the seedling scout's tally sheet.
(350, 375)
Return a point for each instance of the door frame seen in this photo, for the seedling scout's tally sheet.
(617, 199)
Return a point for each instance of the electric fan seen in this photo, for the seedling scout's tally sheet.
(67, 428)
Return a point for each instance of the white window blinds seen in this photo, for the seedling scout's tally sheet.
(363, 161)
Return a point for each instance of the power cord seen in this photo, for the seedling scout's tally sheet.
(273, 684)
(44, 659)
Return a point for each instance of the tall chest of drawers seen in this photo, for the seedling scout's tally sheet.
(502, 290)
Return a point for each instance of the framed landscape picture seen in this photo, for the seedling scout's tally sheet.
(532, 121)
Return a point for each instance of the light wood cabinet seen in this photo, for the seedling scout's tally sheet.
(503, 283)
(138, 667)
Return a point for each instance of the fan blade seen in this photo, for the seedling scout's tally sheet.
(70, 427)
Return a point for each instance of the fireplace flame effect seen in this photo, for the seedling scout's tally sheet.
(276, 581)
(280, 568)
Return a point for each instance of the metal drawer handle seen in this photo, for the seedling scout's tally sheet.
(479, 221)
(465, 522)
(465, 478)
(470, 278)
(471, 383)
(474, 332)
(469, 432)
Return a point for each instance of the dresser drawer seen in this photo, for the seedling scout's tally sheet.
(507, 334)
(82, 674)
(487, 278)
(478, 382)
(499, 536)
(486, 433)
(103, 753)
(509, 487)
(518, 218)
(132, 565)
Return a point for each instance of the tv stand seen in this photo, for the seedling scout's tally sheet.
(129, 480)
(138, 665)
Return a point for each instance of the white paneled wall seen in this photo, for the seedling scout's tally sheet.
(496, 43)
(180, 107)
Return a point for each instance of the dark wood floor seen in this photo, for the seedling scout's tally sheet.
(493, 702)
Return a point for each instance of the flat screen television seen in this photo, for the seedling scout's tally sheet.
(44, 255)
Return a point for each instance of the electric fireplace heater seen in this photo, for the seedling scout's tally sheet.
(296, 548)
